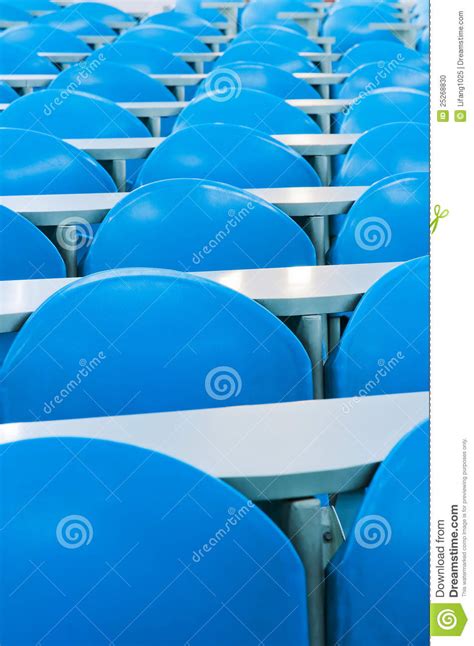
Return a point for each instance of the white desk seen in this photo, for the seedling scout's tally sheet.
(286, 291)
(267, 452)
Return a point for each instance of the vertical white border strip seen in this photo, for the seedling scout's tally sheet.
(452, 270)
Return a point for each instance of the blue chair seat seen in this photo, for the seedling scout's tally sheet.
(43, 38)
(236, 155)
(147, 58)
(385, 346)
(75, 24)
(170, 38)
(350, 25)
(11, 13)
(185, 21)
(373, 51)
(373, 76)
(148, 329)
(251, 108)
(47, 164)
(264, 34)
(19, 60)
(7, 93)
(194, 225)
(378, 582)
(98, 12)
(262, 12)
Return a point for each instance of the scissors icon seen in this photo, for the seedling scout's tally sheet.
(438, 215)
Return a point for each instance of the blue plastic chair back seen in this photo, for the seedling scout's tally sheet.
(388, 105)
(389, 538)
(78, 115)
(145, 58)
(7, 93)
(372, 76)
(264, 34)
(263, 12)
(131, 507)
(47, 165)
(170, 38)
(112, 81)
(386, 150)
(74, 23)
(185, 21)
(351, 25)
(195, 225)
(98, 12)
(14, 14)
(43, 38)
(18, 60)
(25, 251)
(251, 108)
(236, 155)
(375, 357)
(374, 51)
(389, 223)
(282, 57)
(257, 76)
(148, 329)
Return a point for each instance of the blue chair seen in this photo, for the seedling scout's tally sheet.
(263, 12)
(26, 252)
(155, 537)
(350, 25)
(43, 38)
(264, 34)
(375, 51)
(387, 105)
(75, 24)
(236, 155)
(18, 60)
(386, 150)
(385, 346)
(151, 328)
(389, 538)
(423, 43)
(146, 58)
(169, 38)
(98, 12)
(372, 76)
(251, 108)
(33, 163)
(7, 93)
(195, 225)
(11, 13)
(112, 81)
(389, 223)
(271, 54)
(257, 76)
(188, 22)
(74, 116)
